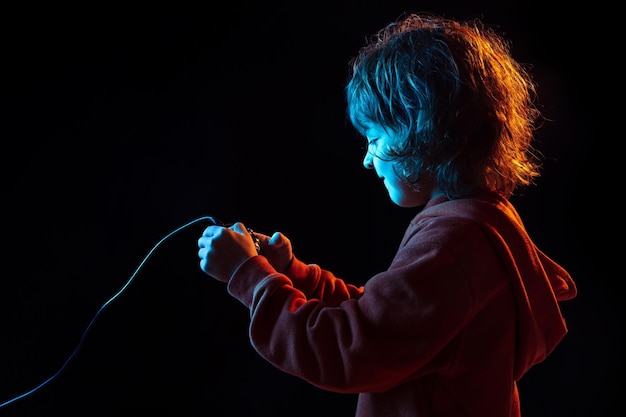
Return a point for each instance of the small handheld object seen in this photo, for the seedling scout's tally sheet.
(255, 239)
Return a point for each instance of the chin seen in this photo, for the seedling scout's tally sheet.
(404, 203)
(410, 201)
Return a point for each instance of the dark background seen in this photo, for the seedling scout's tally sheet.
(124, 123)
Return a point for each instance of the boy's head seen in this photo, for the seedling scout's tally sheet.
(458, 106)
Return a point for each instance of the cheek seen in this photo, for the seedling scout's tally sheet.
(399, 192)
(396, 186)
(403, 195)
(385, 169)
(392, 181)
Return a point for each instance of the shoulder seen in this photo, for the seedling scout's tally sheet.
(463, 224)
(451, 232)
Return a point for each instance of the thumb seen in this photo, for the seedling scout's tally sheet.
(277, 240)
(280, 255)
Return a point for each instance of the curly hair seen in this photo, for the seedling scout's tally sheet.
(459, 107)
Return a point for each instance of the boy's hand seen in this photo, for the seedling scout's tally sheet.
(277, 249)
(222, 250)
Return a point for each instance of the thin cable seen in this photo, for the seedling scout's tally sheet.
(117, 294)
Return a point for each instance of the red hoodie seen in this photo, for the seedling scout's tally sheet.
(466, 307)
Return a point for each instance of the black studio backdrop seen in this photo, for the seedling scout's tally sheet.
(123, 124)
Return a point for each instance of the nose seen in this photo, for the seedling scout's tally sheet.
(368, 160)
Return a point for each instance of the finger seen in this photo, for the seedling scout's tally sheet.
(210, 230)
(205, 241)
(204, 265)
(277, 240)
(204, 262)
(239, 227)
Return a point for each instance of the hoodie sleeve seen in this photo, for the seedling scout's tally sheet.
(347, 339)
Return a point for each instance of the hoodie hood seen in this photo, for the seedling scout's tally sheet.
(539, 282)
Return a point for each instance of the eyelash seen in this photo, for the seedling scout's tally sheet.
(368, 143)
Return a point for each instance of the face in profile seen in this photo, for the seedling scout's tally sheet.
(400, 192)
